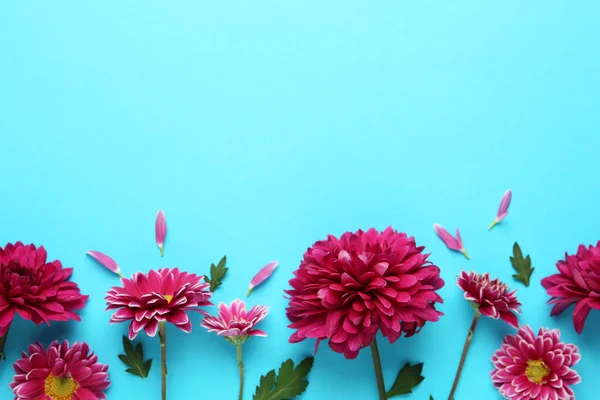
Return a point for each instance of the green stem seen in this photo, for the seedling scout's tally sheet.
(162, 334)
(463, 357)
(241, 368)
(378, 370)
(3, 343)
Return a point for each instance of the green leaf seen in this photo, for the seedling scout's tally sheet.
(521, 265)
(430, 397)
(288, 383)
(217, 273)
(134, 359)
(408, 378)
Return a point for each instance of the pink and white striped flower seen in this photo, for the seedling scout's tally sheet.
(530, 367)
(235, 323)
(165, 295)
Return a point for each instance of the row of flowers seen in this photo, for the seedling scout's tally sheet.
(344, 292)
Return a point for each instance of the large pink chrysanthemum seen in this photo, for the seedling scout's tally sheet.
(235, 323)
(62, 372)
(159, 296)
(578, 282)
(530, 367)
(349, 288)
(492, 297)
(37, 290)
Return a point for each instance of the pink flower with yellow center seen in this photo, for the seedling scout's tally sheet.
(535, 367)
(61, 372)
(165, 295)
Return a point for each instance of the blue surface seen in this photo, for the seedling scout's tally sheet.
(261, 127)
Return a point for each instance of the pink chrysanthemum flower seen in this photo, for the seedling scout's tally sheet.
(165, 295)
(235, 323)
(530, 367)
(35, 289)
(578, 282)
(62, 372)
(491, 297)
(347, 289)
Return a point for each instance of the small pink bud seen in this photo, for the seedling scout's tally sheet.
(105, 261)
(161, 231)
(262, 275)
(450, 241)
(503, 209)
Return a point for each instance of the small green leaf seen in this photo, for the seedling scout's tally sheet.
(408, 378)
(521, 265)
(430, 397)
(134, 359)
(288, 383)
(217, 273)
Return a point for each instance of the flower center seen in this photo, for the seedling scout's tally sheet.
(60, 387)
(537, 371)
(168, 297)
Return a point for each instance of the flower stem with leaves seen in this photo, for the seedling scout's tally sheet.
(378, 370)
(162, 334)
(463, 356)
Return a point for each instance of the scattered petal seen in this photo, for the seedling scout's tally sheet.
(262, 275)
(503, 209)
(161, 231)
(450, 241)
(105, 261)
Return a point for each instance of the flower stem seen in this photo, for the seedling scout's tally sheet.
(378, 371)
(464, 354)
(241, 368)
(162, 334)
(3, 343)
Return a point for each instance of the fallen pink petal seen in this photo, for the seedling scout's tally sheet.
(453, 243)
(503, 209)
(161, 231)
(105, 261)
(262, 275)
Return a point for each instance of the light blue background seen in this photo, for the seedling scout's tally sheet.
(260, 127)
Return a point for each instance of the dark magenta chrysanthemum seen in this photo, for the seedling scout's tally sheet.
(35, 289)
(577, 282)
(347, 289)
(491, 297)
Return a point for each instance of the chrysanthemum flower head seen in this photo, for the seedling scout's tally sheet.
(577, 282)
(235, 323)
(165, 295)
(61, 372)
(35, 289)
(491, 298)
(535, 367)
(347, 289)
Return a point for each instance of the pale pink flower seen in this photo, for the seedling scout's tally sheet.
(161, 231)
(105, 261)
(503, 209)
(262, 275)
(450, 241)
(235, 323)
(530, 367)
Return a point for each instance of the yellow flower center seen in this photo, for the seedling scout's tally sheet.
(537, 371)
(168, 297)
(60, 387)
